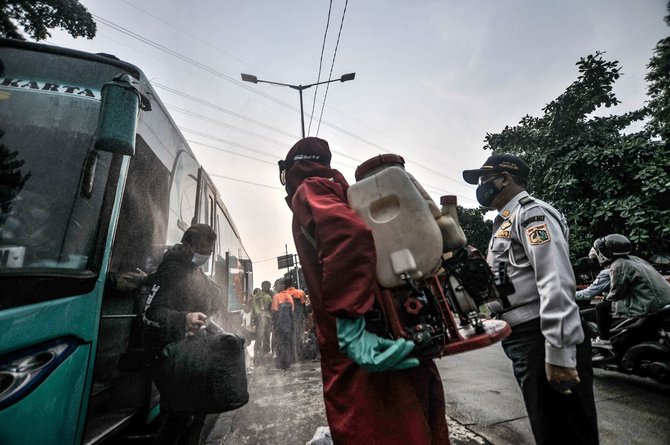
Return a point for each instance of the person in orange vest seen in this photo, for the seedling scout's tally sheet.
(282, 326)
(299, 312)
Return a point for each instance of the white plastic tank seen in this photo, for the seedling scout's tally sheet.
(452, 233)
(407, 238)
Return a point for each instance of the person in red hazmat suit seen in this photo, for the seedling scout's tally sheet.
(374, 392)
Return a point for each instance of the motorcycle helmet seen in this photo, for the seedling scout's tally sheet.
(593, 254)
(610, 247)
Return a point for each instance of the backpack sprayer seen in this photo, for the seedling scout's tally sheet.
(429, 277)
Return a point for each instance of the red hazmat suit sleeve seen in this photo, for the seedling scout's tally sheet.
(344, 246)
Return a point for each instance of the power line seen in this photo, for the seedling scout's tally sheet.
(330, 75)
(245, 181)
(223, 124)
(199, 116)
(203, 41)
(216, 107)
(234, 144)
(353, 158)
(264, 260)
(219, 74)
(244, 117)
(231, 152)
(318, 79)
(437, 189)
(189, 60)
(223, 110)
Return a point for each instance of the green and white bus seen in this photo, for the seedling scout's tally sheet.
(95, 181)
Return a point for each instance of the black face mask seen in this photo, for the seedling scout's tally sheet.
(487, 192)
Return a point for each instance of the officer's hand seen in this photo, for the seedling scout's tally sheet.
(193, 322)
(560, 378)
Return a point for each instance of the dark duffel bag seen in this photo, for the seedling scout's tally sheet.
(203, 373)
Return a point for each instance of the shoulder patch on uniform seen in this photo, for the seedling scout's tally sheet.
(532, 219)
(538, 235)
(526, 200)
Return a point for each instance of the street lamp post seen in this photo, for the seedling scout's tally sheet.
(254, 79)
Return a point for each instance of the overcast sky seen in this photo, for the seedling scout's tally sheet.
(432, 78)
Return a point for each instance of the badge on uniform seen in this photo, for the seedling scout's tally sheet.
(503, 231)
(538, 235)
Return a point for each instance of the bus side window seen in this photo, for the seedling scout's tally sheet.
(141, 231)
(183, 193)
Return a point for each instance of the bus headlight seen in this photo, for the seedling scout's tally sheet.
(22, 371)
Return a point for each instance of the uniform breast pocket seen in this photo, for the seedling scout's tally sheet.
(499, 245)
(498, 251)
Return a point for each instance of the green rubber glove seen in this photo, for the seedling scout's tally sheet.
(370, 351)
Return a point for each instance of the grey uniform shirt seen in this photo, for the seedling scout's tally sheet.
(532, 241)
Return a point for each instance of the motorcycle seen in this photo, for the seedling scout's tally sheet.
(639, 345)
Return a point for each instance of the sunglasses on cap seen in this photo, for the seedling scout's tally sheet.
(285, 164)
(488, 178)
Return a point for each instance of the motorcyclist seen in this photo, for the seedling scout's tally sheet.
(636, 289)
(600, 286)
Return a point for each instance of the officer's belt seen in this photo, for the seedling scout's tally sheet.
(519, 314)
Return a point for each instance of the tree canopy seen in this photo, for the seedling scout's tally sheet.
(658, 91)
(477, 230)
(603, 176)
(36, 17)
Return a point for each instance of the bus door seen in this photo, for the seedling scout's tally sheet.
(217, 266)
(121, 382)
(206, 212)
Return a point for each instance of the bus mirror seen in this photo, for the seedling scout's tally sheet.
(118, 116)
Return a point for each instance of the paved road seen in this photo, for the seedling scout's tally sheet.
(285, 408)
(484, 406)
(483, 396)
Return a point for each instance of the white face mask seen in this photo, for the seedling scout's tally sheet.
(199, 259)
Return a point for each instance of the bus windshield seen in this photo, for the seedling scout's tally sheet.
(52, 180)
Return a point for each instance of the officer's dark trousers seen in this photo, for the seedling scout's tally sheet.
(554, 418)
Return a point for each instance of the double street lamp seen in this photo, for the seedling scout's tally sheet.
(254, 79)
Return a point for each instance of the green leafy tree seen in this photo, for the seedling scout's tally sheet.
(658, 77)
(603, 179)
(12, 179)
(36, 17)
(476, 228)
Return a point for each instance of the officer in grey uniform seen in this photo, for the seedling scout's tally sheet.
(550, 355)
